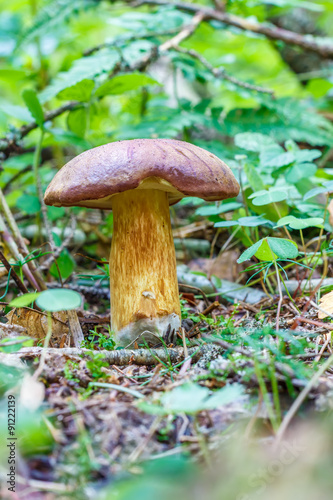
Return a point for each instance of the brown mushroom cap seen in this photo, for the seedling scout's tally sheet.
(179, 168)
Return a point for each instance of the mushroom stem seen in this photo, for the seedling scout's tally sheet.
(143, 274)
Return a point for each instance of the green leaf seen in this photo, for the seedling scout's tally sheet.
(272, 196)
(299, 171)
(28, 204)
(249, 252)
(252, 141)
(77, 121)
(18, 112)
(82, 69)
(253, 177)
(32, 102)
(59, 299)
(284, 249)
(66, 265)
(81, 91)
(216, 210)
(25, 300)
(296, 223)
(326, 188)
(269, 249)
(227, 223)
(124, 83)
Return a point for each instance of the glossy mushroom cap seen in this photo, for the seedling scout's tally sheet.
(179, 168)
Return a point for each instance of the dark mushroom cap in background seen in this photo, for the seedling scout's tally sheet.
(182, 169)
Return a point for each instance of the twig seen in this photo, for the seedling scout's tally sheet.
(11, 244)
(211, 308)
(186, 32)
(272, 32)
(115, 387)
(8, 145)
(36, 276)
(13, 274)
(320, 324)
(130, 39)
(299, 400)
(221, 72)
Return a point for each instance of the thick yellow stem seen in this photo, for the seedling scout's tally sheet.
(143, 275)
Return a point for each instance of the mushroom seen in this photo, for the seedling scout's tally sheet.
(138, 179)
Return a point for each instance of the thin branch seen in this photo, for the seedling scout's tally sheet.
(121, 41)
(323, 47)
(220, 72)
(9, 144)
(11, 271)
(186, 32)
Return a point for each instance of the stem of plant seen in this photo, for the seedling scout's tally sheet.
(279, 215)
(280, 293)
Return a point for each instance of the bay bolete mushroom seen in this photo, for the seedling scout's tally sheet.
(138, 179)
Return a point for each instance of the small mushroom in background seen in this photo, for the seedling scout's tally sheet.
(138, 179)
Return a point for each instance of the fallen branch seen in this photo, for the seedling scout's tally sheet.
(307, 42)
(120, 357)
(220, 72)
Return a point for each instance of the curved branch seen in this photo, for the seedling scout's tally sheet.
(307, 42)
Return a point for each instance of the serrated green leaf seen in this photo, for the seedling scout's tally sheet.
(32, 102)
(81, 91)
(124, 83)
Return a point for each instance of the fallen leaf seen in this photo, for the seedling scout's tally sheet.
(35, 323)
(326, 303)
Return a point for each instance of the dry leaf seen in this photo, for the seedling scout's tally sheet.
(326, 303)
(35, 323)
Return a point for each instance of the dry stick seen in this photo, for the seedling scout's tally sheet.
(140, 448)
(221, 73)
(120, 357)
(306, 42)
(75, 328)
(328, 340)
(37, 277)
(11, 244)
(13, 274)
(299, 400)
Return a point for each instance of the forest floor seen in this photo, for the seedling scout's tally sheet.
(96, 422)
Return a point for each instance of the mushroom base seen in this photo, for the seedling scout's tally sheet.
(143, 273)
(150, 330)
